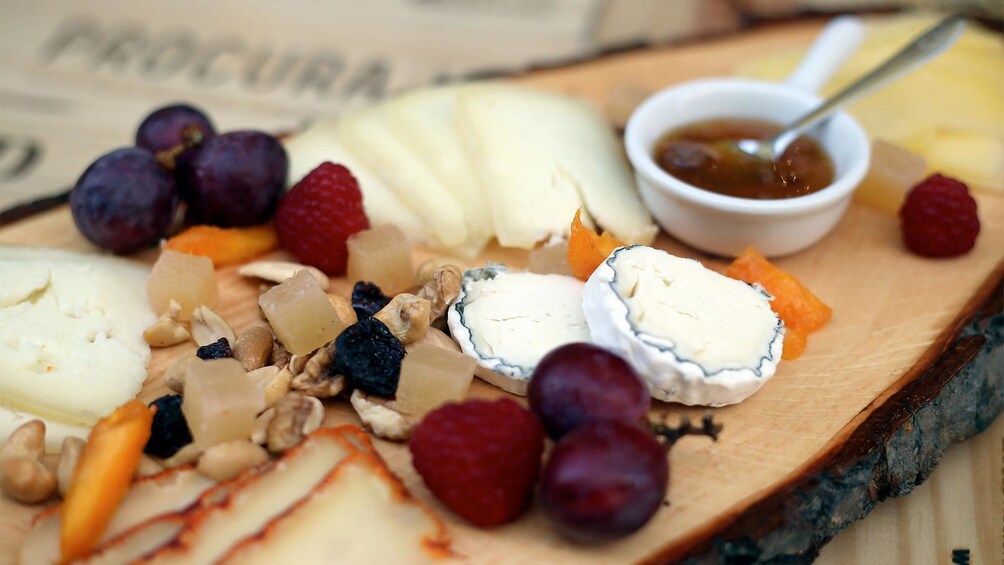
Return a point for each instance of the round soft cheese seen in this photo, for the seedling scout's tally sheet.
(695, 336)
(508, 321)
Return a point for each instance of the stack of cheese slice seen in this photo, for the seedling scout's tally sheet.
(455, 166)
(330, 499)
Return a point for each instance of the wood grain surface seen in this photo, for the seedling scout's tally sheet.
(890, 309)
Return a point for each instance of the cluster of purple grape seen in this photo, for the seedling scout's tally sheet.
(608, 471)
(128, 199)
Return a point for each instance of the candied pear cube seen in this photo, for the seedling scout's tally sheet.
(893, 171)
(301, 314)
(382, 255)
(432, 376)
(221, 402)
(551, 259)
(188, 279)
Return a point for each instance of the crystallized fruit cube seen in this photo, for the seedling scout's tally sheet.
(551, 259)
(300, 314)
(893, 171)
(432, 376)
(382, 255)
(220, 402)
(188, 279)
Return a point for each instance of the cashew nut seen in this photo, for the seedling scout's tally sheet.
(296, 416)
(69, 456)
(226, 460)
(280, 271)
(407, 316)
(381, 419)
(174, 376)
(23, 476)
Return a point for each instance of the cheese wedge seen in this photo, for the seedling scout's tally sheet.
(165, 493)
(423, 121)
(360, 514)
(367, 133)
(540, 157)
(71, 334)
(232, 510)
(319, 143)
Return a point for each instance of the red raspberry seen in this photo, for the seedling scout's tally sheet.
(939, 218)
(480, 457)
(317, 216)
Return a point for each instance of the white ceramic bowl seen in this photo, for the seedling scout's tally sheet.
(726, 225)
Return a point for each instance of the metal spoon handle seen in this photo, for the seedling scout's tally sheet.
(926, 46)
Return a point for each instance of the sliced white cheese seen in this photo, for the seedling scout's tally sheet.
(368, 135)
(71, 334)
(319, 143)
(423, 120)
(695, 336)
(509, 321)
(540, 157)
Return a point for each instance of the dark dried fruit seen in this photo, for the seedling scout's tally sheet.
(219, 349)
(368, 299)
(169, 431)
(369, 357)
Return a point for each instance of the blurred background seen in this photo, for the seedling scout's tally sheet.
(75, 78)
(76, 75)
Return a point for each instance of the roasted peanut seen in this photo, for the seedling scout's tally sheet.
(253, 347)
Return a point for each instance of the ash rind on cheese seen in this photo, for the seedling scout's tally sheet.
(508, 321)
(695, 336)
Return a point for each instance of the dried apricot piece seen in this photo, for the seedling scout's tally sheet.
(102, 477)
(225, 245)
(587, 249)
(801, 311)
(795, 340)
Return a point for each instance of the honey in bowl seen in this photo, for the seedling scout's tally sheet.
(704, 155)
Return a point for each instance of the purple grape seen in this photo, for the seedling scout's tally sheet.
(124, 201)
(581, 383)
(173, 127)
(604, 480)
(234, 179)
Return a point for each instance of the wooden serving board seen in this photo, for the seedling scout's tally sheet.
(911, 362)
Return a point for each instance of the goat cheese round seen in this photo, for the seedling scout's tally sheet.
(695, 336)
(508, 321)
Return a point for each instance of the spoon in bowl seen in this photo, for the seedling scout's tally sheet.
(931, 43)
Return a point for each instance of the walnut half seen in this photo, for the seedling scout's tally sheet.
(407, 316)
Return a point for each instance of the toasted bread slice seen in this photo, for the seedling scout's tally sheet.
(361, 513)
